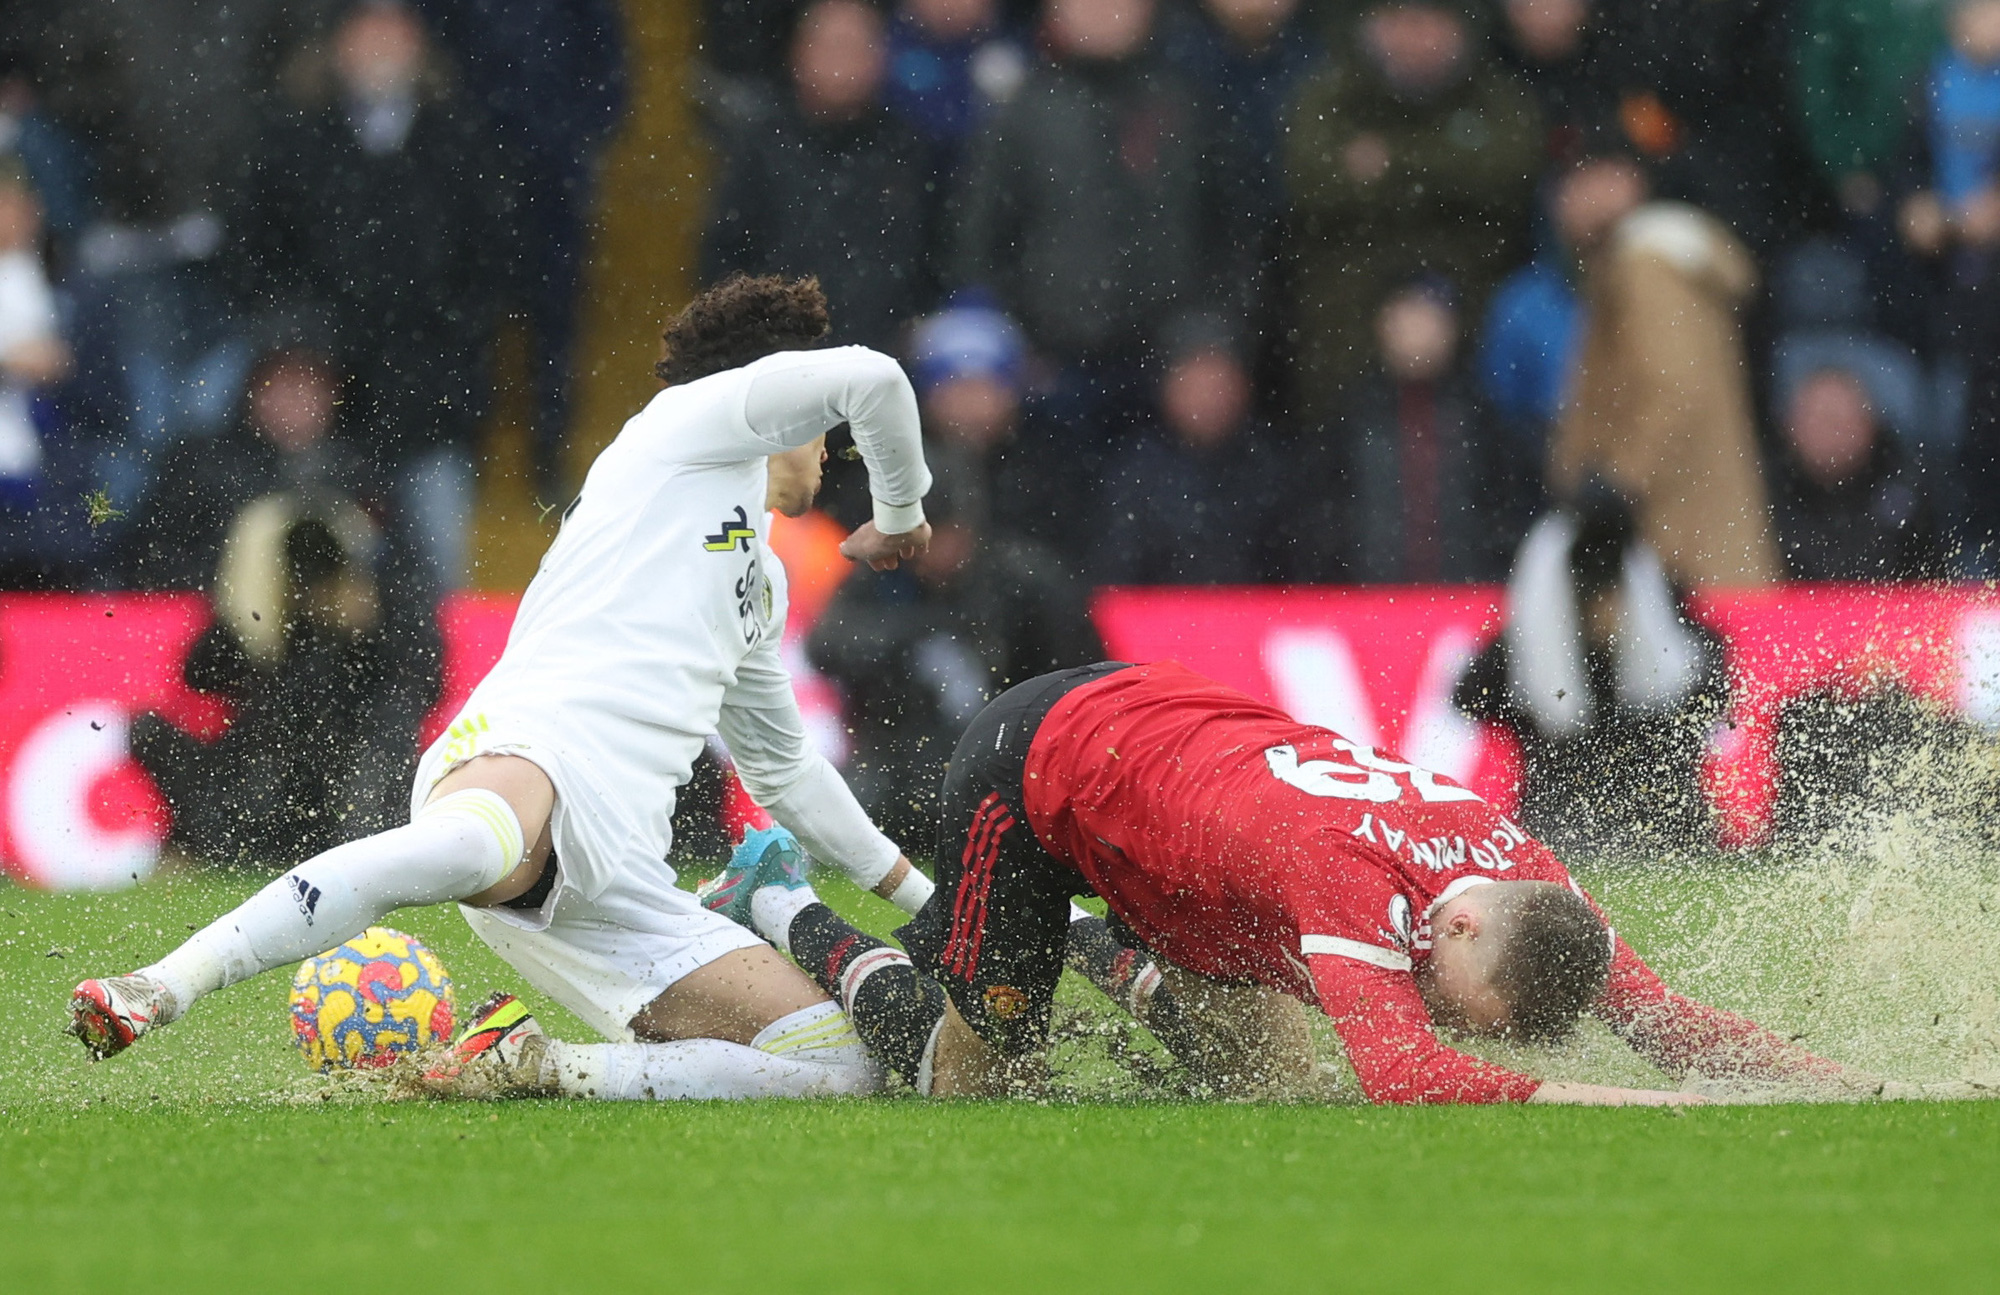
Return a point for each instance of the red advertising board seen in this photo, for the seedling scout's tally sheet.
(1378, 664)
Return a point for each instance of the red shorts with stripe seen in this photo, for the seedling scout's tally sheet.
(995, 931)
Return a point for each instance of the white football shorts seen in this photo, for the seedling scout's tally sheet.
(604, 957)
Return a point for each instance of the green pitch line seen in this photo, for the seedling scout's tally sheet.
(205, 1159)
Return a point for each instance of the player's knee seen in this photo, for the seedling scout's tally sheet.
(478, 839)
(851, 1072)
(835, 1061)
(961, 1063)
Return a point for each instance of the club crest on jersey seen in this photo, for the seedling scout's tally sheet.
(733, 532)
(1406, 930)
(1004, 1002)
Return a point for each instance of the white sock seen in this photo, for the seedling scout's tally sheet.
(811, 1053)
(912, 892)
(772, 909)
(456, 847)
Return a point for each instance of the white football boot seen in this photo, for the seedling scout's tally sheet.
(111, 1014)
(499, 1053)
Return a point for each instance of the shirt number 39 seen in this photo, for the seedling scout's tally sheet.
(1371, 777)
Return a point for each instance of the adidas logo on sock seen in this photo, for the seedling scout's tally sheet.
(307, 895)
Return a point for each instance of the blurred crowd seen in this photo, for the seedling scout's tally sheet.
(1610, 299)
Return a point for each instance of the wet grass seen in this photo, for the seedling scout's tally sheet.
(207, 1159)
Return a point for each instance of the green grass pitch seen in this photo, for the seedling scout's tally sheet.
(207, 1160)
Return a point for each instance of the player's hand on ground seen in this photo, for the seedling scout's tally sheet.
(1557, 1093)
(884, 552)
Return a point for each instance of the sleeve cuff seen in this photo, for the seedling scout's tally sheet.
(898, 519)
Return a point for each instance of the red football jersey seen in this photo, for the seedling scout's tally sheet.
(1240, 843)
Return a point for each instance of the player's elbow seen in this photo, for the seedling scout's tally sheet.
(875, 383)
(769, 783)
(870, 369)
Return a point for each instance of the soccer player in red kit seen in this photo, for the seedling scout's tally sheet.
(1239, 844)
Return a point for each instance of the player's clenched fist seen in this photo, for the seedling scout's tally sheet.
(884, 552)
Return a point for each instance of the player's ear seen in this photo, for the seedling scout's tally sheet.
(1461, 923)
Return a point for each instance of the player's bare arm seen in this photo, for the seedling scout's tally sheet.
(884, 552)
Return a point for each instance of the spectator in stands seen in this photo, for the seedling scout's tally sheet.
(1825, 312)
(829, 183)
(1661, 405)
(1200, 498)
(1953, 223)
(1847, 505)
(1609, 685)
(282, 443)
(373, 200)
(969, 363)
(326, 683)
(1414, 486)
(166, 96)
(1530, 344)
(1413, 156)
(549, 78)
(1248, 58)
(951, 63)
(1857, 66)
(1558, 48)
(1702, 98)
(917, 651)
(1093, 210)
(32, 351)
(33, 356)
(1962, 123)
(55, 161)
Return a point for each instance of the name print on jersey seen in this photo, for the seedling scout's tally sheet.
(1441, 852)
(751, 588)
(733, 532)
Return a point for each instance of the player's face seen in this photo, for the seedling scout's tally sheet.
(794, 478)
(1456, 980)
(1460, 1000)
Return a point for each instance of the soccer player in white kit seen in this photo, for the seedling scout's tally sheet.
(544, 809)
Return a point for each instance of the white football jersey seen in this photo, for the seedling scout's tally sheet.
(655, 618)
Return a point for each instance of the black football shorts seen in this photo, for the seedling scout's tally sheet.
(994, 932)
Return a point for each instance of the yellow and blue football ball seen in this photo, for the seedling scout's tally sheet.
(362, 1005)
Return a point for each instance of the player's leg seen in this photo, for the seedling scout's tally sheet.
(749, 1024)
(994, 880)
(1241, 1040)
(746, 1025)
(900, 1010)
(995, 932)
(467, 843)
(695, 1005)
(896, 1009)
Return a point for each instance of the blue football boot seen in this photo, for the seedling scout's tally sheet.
(768, 856)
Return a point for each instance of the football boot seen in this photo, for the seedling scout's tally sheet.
(499, 1053)
(110, 1015)
(768, 856)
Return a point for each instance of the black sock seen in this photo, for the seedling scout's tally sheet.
(1115, 967)
(894, 1007)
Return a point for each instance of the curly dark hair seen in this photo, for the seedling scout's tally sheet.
(739, 320)
(1554, 962)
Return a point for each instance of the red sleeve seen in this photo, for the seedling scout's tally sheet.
(1678, 1034)
(1386, 1030)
